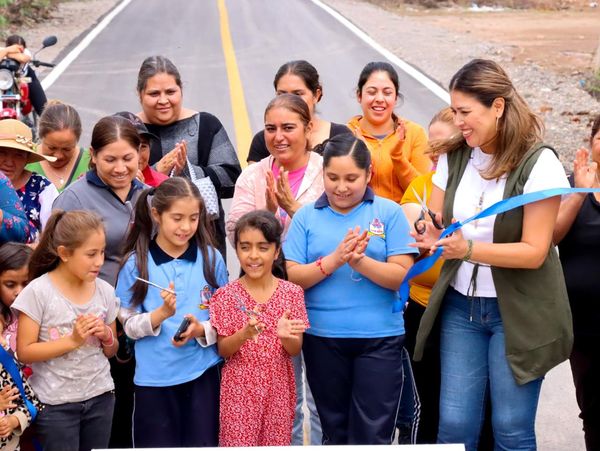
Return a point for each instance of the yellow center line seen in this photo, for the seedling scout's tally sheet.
(241, 121)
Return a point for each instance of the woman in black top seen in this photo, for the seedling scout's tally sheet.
(577, 234)
(300, 78)
(185, 134)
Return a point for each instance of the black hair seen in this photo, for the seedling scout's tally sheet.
(139, 237)
(15, 39)
(595, 128)
(305, 71)
(154, 65)
(378, 66)
(346, 144)
(265, 222)
(13, 256)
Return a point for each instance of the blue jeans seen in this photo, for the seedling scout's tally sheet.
(76, 426)
(303, 392)
(473, 359)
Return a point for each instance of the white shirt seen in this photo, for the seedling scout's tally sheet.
(474, 193)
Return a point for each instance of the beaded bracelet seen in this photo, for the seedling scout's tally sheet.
(111, 340)
(467, 256)
(319, 263)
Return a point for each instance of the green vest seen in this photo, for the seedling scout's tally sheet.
(533, 302)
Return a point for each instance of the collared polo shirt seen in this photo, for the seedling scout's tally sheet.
(158, 362)
(347, 304)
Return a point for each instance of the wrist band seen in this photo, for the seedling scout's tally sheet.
(319, 263)
(110, 341)
(467, 256)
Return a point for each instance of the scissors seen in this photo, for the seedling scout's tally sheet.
(246, 310)
(419, 223)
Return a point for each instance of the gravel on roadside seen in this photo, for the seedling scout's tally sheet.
(566, 109)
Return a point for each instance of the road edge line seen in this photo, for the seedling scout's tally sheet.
(85, 42)
(407, 68)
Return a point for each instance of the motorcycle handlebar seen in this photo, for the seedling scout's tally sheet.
(37, 63)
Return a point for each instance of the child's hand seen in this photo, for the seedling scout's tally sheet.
(7, 425)
(253, 328)
(290, 328)
(343, 252)
(359, 250)
(169, 302)
(194, 330)
(83, 328)
(101, 331)
(7, 395)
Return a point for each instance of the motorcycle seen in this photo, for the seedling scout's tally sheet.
(14, 88)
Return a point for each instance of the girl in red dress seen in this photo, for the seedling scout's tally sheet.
(260, 319)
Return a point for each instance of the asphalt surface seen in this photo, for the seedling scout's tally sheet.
(265, 34)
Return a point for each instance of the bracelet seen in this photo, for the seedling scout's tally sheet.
(467, 256)
(111, 341)
(319, 263)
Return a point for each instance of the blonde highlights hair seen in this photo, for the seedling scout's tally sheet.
(64, 228)
(518, 129)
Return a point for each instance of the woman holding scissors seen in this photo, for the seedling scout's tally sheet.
(500, 300)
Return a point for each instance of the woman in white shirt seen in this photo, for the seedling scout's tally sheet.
(500, 301)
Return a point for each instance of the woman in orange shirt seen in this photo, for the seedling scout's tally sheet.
(397, 145)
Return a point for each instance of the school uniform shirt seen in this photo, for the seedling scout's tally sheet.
(347, 304)
(158, 362)
(83, 373)
(91, 193)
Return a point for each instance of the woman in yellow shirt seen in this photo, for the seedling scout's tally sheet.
(397, 145)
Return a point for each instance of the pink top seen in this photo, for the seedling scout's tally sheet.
(251, 186)
(294, 178)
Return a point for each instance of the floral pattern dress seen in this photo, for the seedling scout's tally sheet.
(34, 202)
(258, 394)
(14, 225)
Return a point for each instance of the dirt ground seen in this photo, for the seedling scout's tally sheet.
(564, 41)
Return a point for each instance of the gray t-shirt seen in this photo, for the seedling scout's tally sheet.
(80, 374)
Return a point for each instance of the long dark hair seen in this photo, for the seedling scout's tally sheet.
(266, 223)
(13, 256)
(140, 235)
(64, 228)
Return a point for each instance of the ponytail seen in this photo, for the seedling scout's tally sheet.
(69, 229)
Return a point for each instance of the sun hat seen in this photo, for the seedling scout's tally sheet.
(137, 123)
(16, 135)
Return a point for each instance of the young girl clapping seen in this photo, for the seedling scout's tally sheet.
(260, 320)
(66, 332)
(176, 381)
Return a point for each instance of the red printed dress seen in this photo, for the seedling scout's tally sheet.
(258, 392)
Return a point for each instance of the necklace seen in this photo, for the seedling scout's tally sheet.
(59, 174)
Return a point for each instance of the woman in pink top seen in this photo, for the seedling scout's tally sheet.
(287, 179)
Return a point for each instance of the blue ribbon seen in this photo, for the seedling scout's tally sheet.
(499, 207)
(11, 367)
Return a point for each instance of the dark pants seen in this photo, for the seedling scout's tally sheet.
(356, 383)
(122, 373)
(37, 96)
(585, 366)
(180, 415)
(76, 426)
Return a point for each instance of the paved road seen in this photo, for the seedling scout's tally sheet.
(265, 34)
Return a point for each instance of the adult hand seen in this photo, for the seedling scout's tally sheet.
(454, 246)
(431, 236)
(8, 395)
(194, 330)
(181, 157)
(584, 172)
(140, 176)
(290, 328)
(271, 193)
(400, 131)
(175, 159)
(283, 192)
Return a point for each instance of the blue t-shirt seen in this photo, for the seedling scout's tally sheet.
(347, 305)
(158, 362)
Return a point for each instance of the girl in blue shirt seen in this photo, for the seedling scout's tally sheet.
(350, 251)
(176, 381)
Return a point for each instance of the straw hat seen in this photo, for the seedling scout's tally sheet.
(16, 135)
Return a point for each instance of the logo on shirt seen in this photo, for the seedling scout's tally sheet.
(205, 297)
(376, 228)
